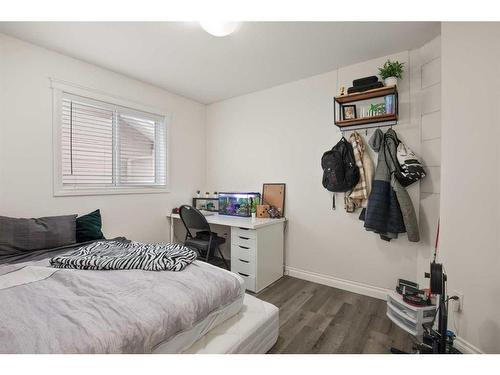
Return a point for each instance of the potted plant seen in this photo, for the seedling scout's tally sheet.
(253, 208)
(391, 71)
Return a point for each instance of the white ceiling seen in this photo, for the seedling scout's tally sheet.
(182, 58)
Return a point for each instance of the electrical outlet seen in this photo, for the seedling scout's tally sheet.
(457, 305)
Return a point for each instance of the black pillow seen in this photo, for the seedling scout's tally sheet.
(18, 236)
(88, 227)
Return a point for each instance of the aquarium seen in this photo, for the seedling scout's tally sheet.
(238, 204)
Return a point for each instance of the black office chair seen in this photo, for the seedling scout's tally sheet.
(205, 242)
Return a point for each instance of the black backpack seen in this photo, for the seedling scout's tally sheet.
(340, 172)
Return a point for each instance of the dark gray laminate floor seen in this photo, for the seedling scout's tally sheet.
(316, 318)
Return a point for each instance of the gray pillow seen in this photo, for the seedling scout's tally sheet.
(24, 235)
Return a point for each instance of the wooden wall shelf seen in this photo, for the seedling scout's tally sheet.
(339, 101)
(369, 94)
(367, 120)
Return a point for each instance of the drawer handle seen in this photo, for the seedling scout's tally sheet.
(243, 274)
(244, 238)
(244, 261)
(244, 247)
(243, 228)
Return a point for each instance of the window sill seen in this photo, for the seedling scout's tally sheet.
(115, 191)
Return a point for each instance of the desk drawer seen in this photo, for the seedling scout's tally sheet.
(244, 241)
(243, 266)
(243, 232)
(249, 281)
(243, 253)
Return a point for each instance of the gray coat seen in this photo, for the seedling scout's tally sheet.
(384, 172)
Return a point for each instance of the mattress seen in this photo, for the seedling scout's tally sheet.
(253, 329)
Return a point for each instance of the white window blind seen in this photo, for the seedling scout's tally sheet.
(109, 146)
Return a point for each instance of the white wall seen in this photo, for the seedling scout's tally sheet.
(279, 135)
(26, 143)
(470, 177)
(426, 88)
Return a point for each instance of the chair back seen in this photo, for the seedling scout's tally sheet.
(193, 219)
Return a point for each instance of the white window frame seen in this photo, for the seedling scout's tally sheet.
(58, 89)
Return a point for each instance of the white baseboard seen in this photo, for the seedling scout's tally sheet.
(466, 347)
(351, 286)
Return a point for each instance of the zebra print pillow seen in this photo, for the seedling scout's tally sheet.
(126, 255)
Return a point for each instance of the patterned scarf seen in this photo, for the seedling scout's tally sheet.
(358, 196)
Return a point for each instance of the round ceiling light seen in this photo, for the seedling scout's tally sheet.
(219, 28)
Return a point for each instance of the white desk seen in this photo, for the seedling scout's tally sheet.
(256, 247)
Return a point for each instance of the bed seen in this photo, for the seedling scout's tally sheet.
(202, 309)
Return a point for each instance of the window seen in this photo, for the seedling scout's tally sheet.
(108, 148)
